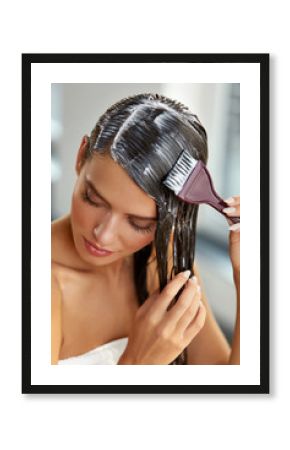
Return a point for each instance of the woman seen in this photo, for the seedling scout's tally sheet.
(122, 258)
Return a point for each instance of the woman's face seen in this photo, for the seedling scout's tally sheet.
(109, 211)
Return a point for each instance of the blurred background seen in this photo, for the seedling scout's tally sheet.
(75, 108)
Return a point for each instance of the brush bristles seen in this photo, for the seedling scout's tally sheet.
(180, 172)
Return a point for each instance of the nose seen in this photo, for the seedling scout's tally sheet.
(106, 231)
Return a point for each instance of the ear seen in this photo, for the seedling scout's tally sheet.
(81, 154)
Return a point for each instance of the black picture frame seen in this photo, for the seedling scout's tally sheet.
(248, 58)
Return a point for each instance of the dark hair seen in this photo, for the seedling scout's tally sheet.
(146, 134)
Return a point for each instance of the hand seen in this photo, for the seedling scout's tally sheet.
(159, 335)
(234, 237)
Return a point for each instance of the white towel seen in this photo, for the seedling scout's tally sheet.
(108, 353)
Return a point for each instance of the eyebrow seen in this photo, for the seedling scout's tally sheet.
(90, 184)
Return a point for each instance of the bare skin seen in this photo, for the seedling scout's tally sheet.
(95, 309)
(94, 300)
(98, 293)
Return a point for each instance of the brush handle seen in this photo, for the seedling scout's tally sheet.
(234, 219)
(219, 205)
(199, 189)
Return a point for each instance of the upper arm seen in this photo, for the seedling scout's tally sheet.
(210, 345)
(56, 328)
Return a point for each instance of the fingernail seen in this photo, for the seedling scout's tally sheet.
(229, 210)
(186, 273)
(193, 281)
(235, 227)
(193, 278)
(230, 200)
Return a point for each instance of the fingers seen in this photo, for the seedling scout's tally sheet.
(186, 306)
(233, 210)
(190, 313)
(236, 227)
(195, 325)
(169, 292)
(234, 206)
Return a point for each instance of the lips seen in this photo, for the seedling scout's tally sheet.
(96, 250)
(100, 248)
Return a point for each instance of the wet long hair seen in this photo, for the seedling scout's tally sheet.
(145, 134)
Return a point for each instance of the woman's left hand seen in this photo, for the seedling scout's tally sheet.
(234, 238)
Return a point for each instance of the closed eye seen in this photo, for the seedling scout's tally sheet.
(88, 199)
(138, 228)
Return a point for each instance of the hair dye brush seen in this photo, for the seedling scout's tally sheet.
(190, 180)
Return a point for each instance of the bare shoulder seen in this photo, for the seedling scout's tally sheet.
(56, 261)
(56, 317)
(56, 293)
(58, 239)
(57, 270)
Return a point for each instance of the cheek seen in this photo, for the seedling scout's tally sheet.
(81, 215)
(136, 240)
(84, 218)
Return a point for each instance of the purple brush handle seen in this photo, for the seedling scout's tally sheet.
(220, 205)
(199, 189)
